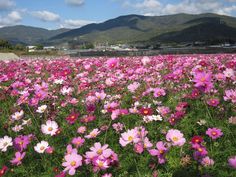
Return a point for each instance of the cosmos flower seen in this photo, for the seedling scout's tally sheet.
(131, 136)
(50, 128)
(213, 102)
(206, 161)
(93, 134)
(214, 133)
(133, 87)
(175, 137)
(71, 119)
(159, 92)
(18, 115)
(81, 130)
(21, 142)
(232, 162)
(78, 142)
(41, 147)
(41, 109)
(18, 158)
(5, 142)
(72, 162)
(159, 152)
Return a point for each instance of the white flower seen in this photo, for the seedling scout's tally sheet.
(18, 115)
(41, 109)
(58, 81)
(201, 122)
(66, 90)
(50, 128)
(151, 118)
(26, 122)
(41, 147)
(229, 73)
(145, 60)
(5, 142)
(17, 128)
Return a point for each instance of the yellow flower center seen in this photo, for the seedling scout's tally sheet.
(100, 164)
(130, 138)
(175, 138)
(50, 128)
(99, 151)
(73, 163)
(42, 148)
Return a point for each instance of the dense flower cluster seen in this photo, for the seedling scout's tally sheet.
(114, 116)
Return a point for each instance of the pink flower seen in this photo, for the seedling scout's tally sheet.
(101, 163)
(112, 63)
(159, 92)
(214, 133)
(107, 175)
(99, 150)
(230, 95)
(21, 142)
(160, 152)
(93, 133)
(133, 87)
(203, 81)
(175, 137)
(206, 161)
(70, 150)
(131, 136)
(213, 102)
(81, 130)
(78, 142)
(232, 162)
(100, 95)
(18, 157)
(72, 161)
(118, 127)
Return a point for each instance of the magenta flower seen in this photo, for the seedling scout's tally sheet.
(213, 102)
(21, 142)
(232, 162)
(112, 63)
(175, 137)
(78, 142)
(214, 133)
(72, 161)
(18, 158)
(160, 152)
(71, 119)
(203, 81)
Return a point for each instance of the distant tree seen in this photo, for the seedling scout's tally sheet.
(19, 47)
(39, 47)
(5, 44)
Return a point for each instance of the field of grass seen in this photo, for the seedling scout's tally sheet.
(160, 116)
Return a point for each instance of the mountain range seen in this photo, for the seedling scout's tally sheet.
(133, 29)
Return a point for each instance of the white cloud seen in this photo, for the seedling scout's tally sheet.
(155, 7)
(46, 16)
(10, 19)
(6, 4)
(75, 2)
(69, 23)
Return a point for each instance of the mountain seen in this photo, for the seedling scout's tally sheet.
(27, 34)
(176, 28)
(168, 28)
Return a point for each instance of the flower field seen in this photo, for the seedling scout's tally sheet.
(160, 116)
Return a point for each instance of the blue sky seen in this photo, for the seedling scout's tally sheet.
(53, 14)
